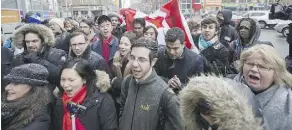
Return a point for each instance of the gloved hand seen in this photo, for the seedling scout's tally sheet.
(31, 57)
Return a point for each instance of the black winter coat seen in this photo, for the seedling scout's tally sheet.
(190, 64)
(118, 31)
(100, 113)
(227, 32)
(215, 58)
(41, 122)
(52, 58)
(61, 42)
(95, 60)
(6, 59)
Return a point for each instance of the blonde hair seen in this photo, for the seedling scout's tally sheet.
(271, 57)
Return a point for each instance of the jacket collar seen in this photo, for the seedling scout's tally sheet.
(152, 77)
(111, 38)
(179, 58)
(85, 55)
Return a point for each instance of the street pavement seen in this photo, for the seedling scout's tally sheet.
(278, 40)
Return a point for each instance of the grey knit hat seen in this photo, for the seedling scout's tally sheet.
(32, 74)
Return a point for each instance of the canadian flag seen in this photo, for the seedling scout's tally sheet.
(167, 16)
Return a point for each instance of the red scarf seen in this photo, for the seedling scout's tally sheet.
(78, 98)
(106, 48)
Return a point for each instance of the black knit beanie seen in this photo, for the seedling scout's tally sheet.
(32, 74)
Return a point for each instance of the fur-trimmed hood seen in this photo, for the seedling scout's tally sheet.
(102, 84)
(229, 105)
(45, 32)
(103, 81)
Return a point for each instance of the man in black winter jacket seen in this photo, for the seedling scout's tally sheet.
(118, 30)
(227, 32)
(176, 63)
(6, 58)
(37, 41)
(215, 54)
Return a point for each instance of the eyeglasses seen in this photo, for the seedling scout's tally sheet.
(107, 26)
(78, 44)
(259, 66)
(139, 59)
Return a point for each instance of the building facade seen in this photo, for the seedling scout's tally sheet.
(212, 5)
(47, 8)
(87, 8)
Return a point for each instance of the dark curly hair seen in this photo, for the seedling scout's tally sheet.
(211, 20)
(140, 21)
(149, 44)
(193, 24)
(174, 34)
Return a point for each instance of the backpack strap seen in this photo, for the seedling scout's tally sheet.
(164, 99)
(127, 84)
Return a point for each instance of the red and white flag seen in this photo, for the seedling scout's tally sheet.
(167, 16)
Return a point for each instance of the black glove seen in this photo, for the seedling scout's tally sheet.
(31, 57)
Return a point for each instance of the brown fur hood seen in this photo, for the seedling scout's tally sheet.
(45, 32)
(103, 81)
(229, 106)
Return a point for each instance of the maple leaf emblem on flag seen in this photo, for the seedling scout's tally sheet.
(157, 21)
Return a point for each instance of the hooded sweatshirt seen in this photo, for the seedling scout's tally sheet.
(237, 46)
(227, 33)
(230, 104)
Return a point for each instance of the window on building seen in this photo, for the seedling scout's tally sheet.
(83, 1)
(197, 1)
(84, 12)
(188, 6)
(183, 6)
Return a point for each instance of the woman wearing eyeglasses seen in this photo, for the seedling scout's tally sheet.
(264, 71)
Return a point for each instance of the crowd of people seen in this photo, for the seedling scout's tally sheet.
(95, 75)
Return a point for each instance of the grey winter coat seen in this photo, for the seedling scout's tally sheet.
(276, 105)
(142, 107)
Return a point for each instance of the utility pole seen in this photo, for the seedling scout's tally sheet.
(71, 5)
(62, 12)
(54, 7)
(42, 7)
(67, 8)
